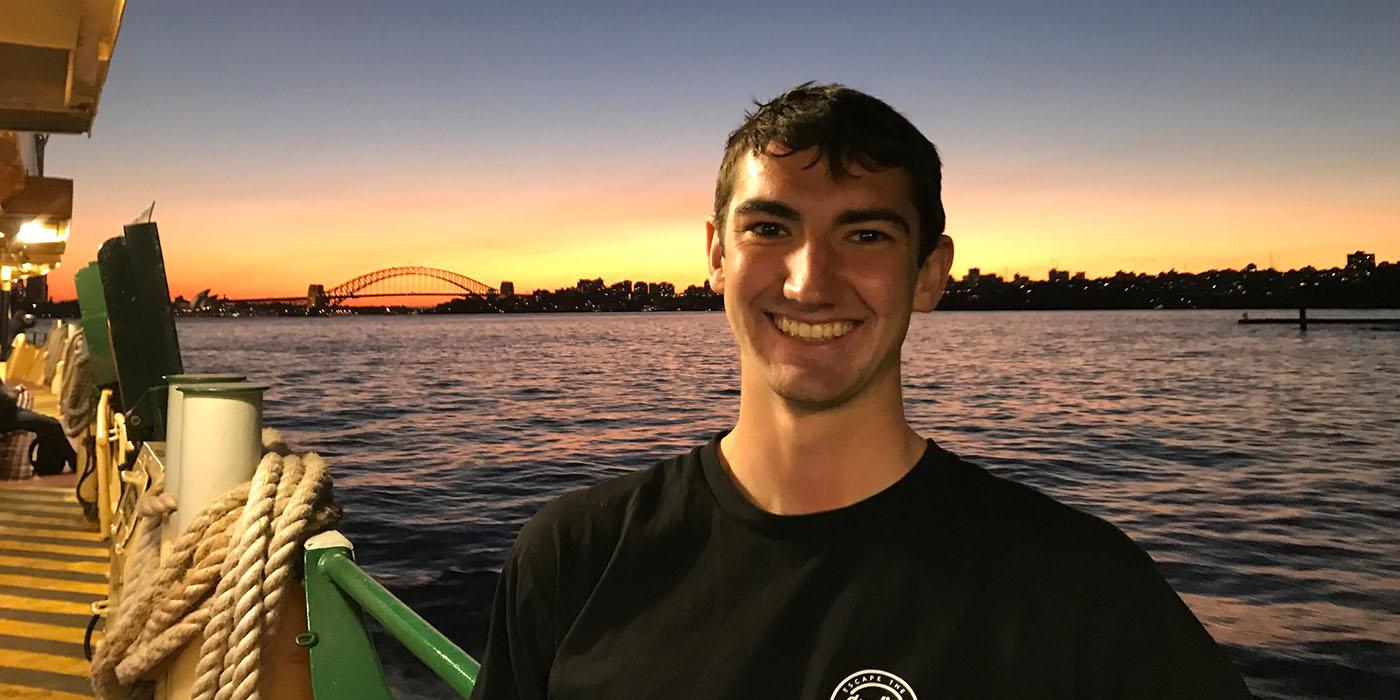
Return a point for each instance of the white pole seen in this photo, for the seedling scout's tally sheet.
(173, 420)
(220, 443)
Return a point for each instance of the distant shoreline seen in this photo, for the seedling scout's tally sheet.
(1263, 312)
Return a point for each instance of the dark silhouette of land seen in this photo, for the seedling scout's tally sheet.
(1361, 284)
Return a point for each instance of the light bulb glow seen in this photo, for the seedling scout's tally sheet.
(36, 232)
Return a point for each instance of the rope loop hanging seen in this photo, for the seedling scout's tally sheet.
(223, 579)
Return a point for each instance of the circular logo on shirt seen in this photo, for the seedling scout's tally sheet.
(872, 684)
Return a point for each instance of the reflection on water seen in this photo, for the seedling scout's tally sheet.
(1257, 465)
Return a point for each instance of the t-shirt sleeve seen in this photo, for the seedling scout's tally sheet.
(1145, 643)
(520, 644)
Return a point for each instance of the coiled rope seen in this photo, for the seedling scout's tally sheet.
(224, 576)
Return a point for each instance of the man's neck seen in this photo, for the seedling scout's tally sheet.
(791, 462)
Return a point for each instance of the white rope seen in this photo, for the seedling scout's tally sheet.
(225, 577)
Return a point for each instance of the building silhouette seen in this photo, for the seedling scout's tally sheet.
(1361, 261)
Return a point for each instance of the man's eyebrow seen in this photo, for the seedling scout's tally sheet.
(860, 216)
(769, 207)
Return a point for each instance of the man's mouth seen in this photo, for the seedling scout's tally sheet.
(812, 332)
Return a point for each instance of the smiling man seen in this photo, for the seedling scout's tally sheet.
(822, 548)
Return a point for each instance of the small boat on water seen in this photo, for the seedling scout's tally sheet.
(195, 555)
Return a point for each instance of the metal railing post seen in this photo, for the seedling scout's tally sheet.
(330, 563)
(343, 661)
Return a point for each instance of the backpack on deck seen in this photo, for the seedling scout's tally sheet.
(49, 453)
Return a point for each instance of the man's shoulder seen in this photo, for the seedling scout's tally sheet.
(593, 517)
(1013, 515)
(1136, 637)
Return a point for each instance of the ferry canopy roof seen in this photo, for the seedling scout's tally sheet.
(53, 62)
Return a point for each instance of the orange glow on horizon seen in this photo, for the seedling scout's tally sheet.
(244, 243)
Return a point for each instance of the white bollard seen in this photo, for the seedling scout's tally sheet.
(220, 443)
(174, 404)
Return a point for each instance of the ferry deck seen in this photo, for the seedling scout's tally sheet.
(53, 566)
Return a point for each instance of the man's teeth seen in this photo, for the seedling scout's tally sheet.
(813, 331)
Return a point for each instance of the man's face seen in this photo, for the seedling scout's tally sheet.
(819, 277)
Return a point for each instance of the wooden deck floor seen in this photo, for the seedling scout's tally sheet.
(53, 565)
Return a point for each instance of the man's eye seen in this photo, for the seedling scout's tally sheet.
(870, 236)
(765, 229)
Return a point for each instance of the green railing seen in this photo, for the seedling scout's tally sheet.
(344, 664)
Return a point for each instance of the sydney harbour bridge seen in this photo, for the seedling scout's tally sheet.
(389, 282)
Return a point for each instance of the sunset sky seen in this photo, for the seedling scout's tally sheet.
(295, 142)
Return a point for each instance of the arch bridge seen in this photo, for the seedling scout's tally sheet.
(410, 281)
(398, 282)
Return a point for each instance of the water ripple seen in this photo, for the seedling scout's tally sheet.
(1256, 464)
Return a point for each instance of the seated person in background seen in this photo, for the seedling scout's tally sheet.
(822, 549)
(48, 433)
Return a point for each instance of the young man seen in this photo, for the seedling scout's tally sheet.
(821, 548)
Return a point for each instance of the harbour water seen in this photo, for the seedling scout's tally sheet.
(1259, 466)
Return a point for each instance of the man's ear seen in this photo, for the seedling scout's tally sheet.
(714, 248)
(933, 277)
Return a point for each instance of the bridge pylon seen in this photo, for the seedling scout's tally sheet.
(316, 297)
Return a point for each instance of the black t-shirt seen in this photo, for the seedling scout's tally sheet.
(951, 583)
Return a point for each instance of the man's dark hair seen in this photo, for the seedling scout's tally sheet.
(846, 127)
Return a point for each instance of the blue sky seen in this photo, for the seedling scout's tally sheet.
(526, 140)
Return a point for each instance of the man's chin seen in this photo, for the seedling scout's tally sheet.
(805, 397)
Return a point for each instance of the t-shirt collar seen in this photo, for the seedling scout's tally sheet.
(894, 501)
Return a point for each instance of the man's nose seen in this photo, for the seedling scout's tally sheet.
(811, 273)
